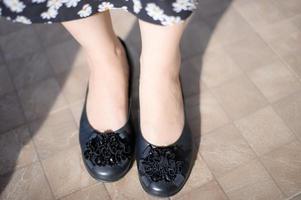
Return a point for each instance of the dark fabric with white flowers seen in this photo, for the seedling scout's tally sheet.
(162, 12)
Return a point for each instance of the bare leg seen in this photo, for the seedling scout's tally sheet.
(161, 104)
(107, 102)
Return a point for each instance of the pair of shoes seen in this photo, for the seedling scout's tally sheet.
(108, 156)
(164, 170)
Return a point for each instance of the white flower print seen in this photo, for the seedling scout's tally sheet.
(154, 11)
(169, 20)
(105, 6)
(14, 5)
(124, 8)
(54, 3)
(50, 13)
(180, 5)
(85, 11)
(71, 3)
(38, 1)
(22, 19)
(137, 6)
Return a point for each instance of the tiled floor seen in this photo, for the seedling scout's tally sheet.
(242, 83)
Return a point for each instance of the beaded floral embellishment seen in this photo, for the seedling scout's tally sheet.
(107, 149)
(162, 164)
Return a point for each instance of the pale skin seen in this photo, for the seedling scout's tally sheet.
(160, 95)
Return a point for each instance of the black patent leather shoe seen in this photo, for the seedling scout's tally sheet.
(163, 171)
(107, 156)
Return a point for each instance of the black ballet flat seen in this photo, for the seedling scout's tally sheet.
(108, 155)
(163, 171)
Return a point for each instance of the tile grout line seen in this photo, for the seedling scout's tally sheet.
(258, 158)
(107, 191)
(294, 195)
(43, 169)
(214, 177)
(284, 122)
(79, 190)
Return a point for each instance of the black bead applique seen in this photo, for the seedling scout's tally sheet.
(162, 164)
(107, 149)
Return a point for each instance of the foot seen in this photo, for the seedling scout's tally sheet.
(161, 102)
(107, 102)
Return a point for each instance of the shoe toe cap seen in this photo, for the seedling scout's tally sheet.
(108, 173)
(162, 188)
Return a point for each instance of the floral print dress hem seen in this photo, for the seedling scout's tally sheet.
(161, 12)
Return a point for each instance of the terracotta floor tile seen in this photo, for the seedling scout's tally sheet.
(212, 114)
(66, 172)
(6, 84)
(208, 8)
(294, 61)
(261, 13)
(239, 97)
(200, 175)
(286, 44)
(76, 109)
(217, 67)
(297, 197)
(297, 21)
(14, 46)
(41, 99)
(250, 53)
(28, 70)
(225, 27)
(289, 110)
(27, 183)
(55, 134)
(10, 27)
(264, 130)
(250, 182)
(17, 149)
(74, 85)
(195, 39)
(11, 114)
(64, 56)
(94, 192)
(191, 76)
(208, 191)
(284, 164)
(292, 5)
(225, 149)
(281, 28)
(275, 81)
(50, 35)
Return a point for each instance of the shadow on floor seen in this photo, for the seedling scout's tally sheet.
(15, 36)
